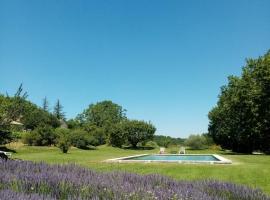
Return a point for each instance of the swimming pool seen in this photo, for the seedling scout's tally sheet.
(179, 158)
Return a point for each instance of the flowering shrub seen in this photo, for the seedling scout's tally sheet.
(27, 180)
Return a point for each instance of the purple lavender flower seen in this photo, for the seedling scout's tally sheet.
(28, 180)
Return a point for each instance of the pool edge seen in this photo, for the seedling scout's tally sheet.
(221, 160)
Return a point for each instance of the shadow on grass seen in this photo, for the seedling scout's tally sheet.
(4, 148)
(88, 148)
(139, 148)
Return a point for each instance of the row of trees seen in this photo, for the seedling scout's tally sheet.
(241, 119)
(18, 109)
(109, 123)
(166, 141)
(103, 122)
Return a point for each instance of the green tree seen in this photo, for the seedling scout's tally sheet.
(63, 139)
(11, 109)
(83, 140)
(99, 119)
(196, 142)
(138, 131)
(41, 136)
(34, 116)
(117, 136)
(58, 110)
(240, 121)
(102, 114)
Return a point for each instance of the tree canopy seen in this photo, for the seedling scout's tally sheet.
(102, 114)
(241, 119)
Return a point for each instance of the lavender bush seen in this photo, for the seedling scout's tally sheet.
(34, 181)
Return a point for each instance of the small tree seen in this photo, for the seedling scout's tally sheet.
(63, 139)
(196, 142)
(138, 131)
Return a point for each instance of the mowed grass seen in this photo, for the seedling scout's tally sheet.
(251, 170)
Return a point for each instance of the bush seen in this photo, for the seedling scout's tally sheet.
(41, 136)
(63, 139)
(196, 142)
(151, 144)
(81, 139)
(64, 143)
(5, 137)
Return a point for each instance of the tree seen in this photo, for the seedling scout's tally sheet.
(117, 136)
(34, 116)
(196, 142)
(45, 104)
(11, 109)
(41, 136)
(138, 131)
(99, 119)
(81, 139)
(240, 121)
(63, 139)
(102, 114)
(58, 110)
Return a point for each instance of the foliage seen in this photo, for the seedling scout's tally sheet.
(151, 144)
(97, 132)
(41, 136)
(117, 136)
(165, 141)
(100, 120)
(73, 124)
(63, 139)
(102, 114)
(81, 139)
(196, 142)
(138, 131)
(5, 137)
(23, 178)
(58, 110)
(11, 109)
(240, 121)
(34, 116)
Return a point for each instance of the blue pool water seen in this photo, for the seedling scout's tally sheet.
(175, 158)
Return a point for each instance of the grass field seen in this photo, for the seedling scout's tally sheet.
(251, 170)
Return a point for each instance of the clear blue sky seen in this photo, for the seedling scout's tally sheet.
(163, 61)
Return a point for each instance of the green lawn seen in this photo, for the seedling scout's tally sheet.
(252, 170)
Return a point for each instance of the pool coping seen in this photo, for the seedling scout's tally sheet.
(221, 160)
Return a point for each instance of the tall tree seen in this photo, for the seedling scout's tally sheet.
(102, 114)
(45, 104)
(58, 110)
(240, 121)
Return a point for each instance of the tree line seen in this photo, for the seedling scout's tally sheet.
(102, 123)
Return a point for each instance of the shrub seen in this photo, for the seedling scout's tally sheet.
(196, 142)
(63, 139)
(81, 139)
(64, 143)
(41, 136)
(151, 144)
